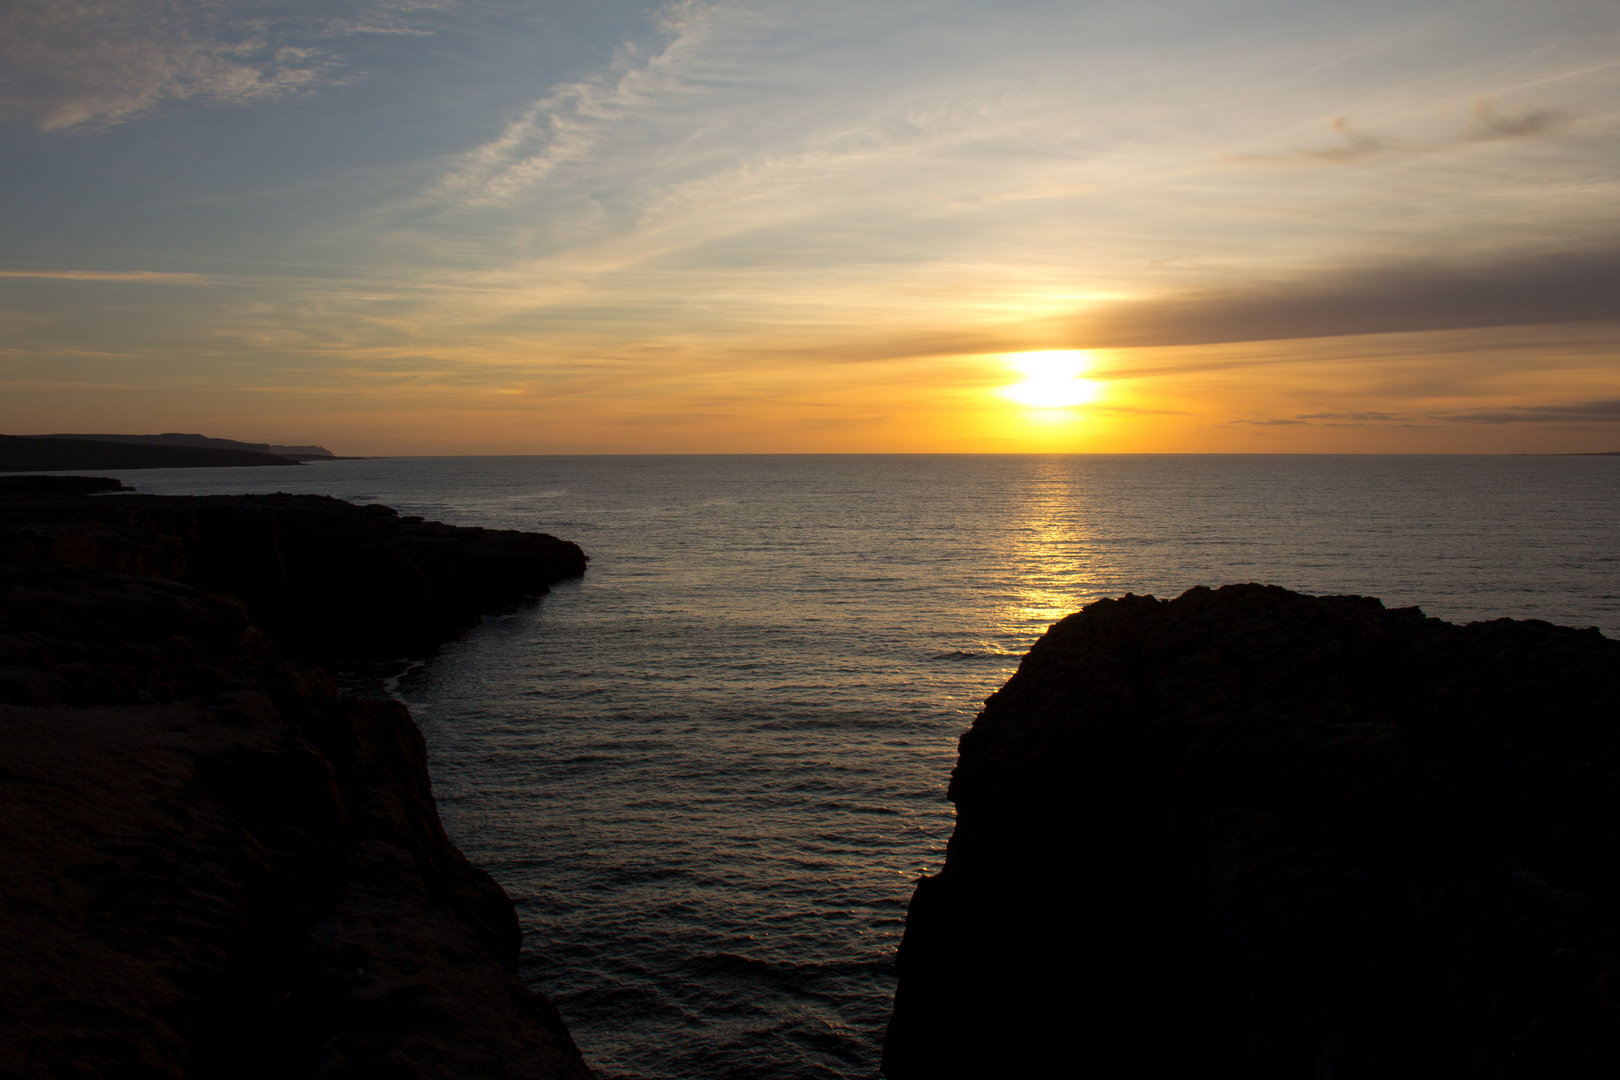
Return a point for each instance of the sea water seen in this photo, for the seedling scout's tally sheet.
(710, 771)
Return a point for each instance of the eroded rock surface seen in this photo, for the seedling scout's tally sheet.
(214, 865)
(1249, 833)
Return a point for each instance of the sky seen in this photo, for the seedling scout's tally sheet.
(466, 227)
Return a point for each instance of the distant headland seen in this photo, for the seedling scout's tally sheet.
(173, 450)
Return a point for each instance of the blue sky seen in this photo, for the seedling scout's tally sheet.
(483, 227)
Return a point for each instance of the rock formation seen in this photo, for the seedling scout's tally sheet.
(215, 866)
(1250, 833)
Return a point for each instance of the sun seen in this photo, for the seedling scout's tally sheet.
(1052, 379)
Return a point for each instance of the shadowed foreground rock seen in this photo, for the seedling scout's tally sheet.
(214, 865)
(1249, 833)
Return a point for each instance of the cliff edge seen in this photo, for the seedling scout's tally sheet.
(1251, 833)
(215, 865)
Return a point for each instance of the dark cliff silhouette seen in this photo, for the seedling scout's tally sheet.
(214, 864)
(175, 438)
(41, 453)
(1250, 833)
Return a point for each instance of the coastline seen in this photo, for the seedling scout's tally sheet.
(217, 865)
(1163, 658)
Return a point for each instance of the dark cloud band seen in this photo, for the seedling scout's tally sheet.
(1551, 288)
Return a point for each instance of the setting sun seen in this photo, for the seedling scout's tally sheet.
(1052, 379)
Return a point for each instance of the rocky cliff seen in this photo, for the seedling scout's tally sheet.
(1249, 833)
(215, 866)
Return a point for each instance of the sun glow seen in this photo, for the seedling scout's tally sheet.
(1052, 379)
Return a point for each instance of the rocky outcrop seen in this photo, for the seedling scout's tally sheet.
(215, 865)
(1249, 833)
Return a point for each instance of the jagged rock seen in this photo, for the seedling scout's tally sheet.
(214, 865)
(1250, 833)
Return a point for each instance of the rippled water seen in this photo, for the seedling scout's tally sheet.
(709, 772)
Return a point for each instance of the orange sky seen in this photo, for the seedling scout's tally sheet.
(767, 227)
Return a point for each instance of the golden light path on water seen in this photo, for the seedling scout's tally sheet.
(1061, 565)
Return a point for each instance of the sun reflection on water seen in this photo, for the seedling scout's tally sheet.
(1057, 561)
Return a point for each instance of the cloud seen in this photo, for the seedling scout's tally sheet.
(767, 180)
(1327, 420)
(576, 119)
(67, 64)
(144, 276)
(1552, 288)
(1489, 125)
(1495, 125)
(1580, 412)
(1358, 417)
(1585, 412)
(735, 105)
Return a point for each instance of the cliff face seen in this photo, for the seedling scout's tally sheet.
(1250, 833)
(215, 866)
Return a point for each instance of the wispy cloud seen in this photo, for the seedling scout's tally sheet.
(1584, 412)
(1354, 417)
(156, 277)
(75, 64)
(1489, 125)
(1607, 412)
(726, 104)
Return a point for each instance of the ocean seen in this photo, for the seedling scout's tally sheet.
(710, 772)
